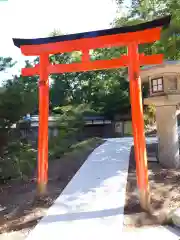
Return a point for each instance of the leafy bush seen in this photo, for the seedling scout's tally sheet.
(149, 115)
(17, 158)
(18, 161)
(70, 123)
(15, 101)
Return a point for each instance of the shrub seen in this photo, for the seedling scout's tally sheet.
(18, 161)
(70, 126)
(149, 115)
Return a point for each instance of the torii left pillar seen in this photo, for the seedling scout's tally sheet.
(43, 123)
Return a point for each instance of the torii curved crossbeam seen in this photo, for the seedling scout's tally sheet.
(130, 36)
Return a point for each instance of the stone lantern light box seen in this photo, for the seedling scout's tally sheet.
(165, 84)
(163, 89)
(164, 93)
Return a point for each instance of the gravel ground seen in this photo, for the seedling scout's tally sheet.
(165, 193)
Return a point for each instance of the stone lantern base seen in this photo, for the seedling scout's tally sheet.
(168, 147)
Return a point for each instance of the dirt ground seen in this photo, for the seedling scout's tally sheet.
(21, 209)
(165, 194)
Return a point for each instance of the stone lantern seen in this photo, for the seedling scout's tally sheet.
(164, 94)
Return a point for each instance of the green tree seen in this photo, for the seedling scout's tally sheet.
(169, 44)
(71, 123)
(146, 10)
(105, 91)
(17, 98)
(6, 63)
(98, 88)
(15, 101)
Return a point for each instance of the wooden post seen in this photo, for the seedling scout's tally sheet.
(43, 124)
(138, 126)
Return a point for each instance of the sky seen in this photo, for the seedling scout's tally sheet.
(38, 18)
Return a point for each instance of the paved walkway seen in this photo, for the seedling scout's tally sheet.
(92, 204)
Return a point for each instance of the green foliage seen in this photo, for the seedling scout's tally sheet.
(96, 88)
(18, 161)
(55, 32)
(169, 44)
(71, 123)
(111, 94)
(6, 63)
(17, 98)
(15, 101)
(149, 115)
(105, 91)
(145, 10)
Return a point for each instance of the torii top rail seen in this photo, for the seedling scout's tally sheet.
(130, 36)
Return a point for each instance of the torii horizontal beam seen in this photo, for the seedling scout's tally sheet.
(93, 65)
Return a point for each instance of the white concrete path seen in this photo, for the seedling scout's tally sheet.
(91, 206)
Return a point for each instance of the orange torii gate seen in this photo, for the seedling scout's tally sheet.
(130, 36)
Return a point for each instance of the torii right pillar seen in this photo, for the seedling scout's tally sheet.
(138, 125)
